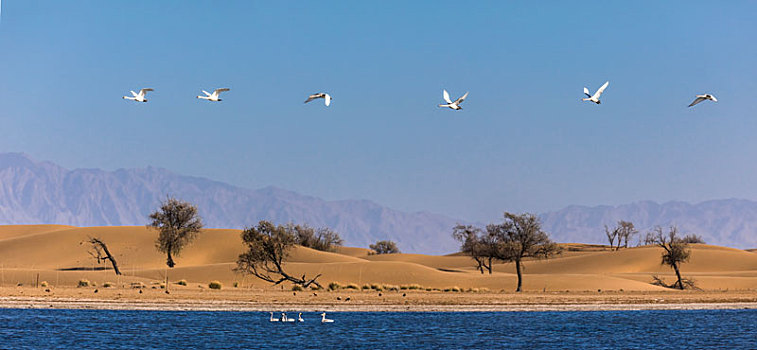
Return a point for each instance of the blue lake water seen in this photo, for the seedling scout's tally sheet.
(89, 329)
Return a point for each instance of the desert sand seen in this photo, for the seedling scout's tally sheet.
(584, 277)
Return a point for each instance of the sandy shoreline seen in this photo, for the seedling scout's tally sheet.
(226, 305)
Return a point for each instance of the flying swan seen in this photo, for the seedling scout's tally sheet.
(138, 97)
(701, 98)
(215, 96)
(326, 98)
(454, 105)
(595, 98)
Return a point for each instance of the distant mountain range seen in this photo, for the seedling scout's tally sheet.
(727, 222)
(41, 192)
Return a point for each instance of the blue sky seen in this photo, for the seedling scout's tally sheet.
(523, 142)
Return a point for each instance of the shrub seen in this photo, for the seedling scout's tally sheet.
(483, 290)
(107, 284)
(366, 287)
(182, 282)
(83, 283)
(297, 288)
(314, 287)
(236, 284)
(452, 289)
(376, 287)
(43, 284)
(323, 239)
(162, 286)
(334, 286)
(215, 285)
(352, 286)
(137, 285)
(384, 247)
(692, 239)
(391, 288)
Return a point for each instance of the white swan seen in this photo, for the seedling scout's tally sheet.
(138, 97)
(454, 105)
(701, 98)
(326, 98)
(284, 318)
(273, 319)
(595, 98)
(215, 96)
(299, 317)
(324, 319)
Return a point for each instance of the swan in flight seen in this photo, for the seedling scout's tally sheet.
(273, 319)
(595, 98)
(326, 98)
(299, 317)
(215, 96)
(324, 319)
(701, 98)
(454, 105)
(138, 97)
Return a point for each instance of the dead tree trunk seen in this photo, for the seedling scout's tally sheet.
(101, 253)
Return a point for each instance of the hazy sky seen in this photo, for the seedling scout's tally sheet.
(523, 142)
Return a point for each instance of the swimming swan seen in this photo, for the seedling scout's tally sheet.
(284, 318)
(324, 319)
(299, 317)
(273, 319)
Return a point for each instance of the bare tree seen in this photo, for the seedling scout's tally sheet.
(323, 239)
(99, 250)
(676, 251)
(623, 232)
(611, 235)
(479, 245)
(520, 237)
(385, 247)
(178, 223)
(268, 247)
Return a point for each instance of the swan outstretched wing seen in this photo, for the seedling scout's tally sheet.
(219, 91)
(586, 92)
(601, 89)
(461, 99)
(144, 91)
(206, 93)
(327, 99)
(697, 100)
(445, 94)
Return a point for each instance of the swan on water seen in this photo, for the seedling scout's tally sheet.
(273, 319)
(701, 98)
(326, 98)
(453, 105)
(138, 97)
(215, 96)
(324, 319)
(299, 317)
(284, 318)
(595, 98)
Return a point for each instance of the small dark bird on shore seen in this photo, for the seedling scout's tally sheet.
(348, 299)
(380, 294)
(338, 298)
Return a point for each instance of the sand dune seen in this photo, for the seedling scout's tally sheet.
(57, 255)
